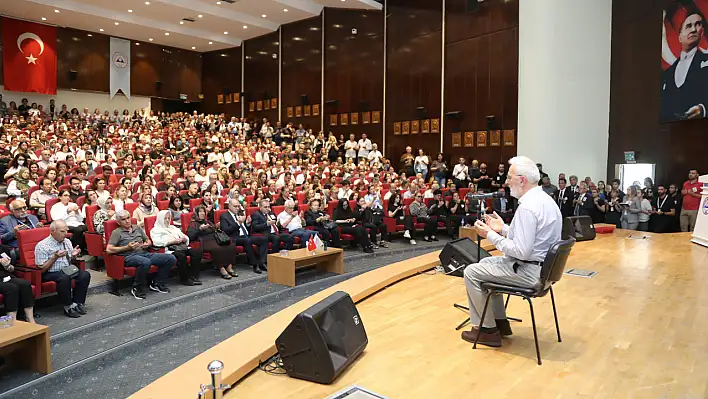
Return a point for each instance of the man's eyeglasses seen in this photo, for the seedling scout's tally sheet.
(418, 196)
(21, 208)
(122, 219)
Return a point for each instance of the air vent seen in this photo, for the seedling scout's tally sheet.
(188, 19)
(230, 1)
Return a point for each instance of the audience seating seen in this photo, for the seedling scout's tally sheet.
(48, 208)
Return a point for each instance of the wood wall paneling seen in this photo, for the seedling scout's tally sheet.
(481, 74)
(354, 69)
(88, 56)
(414, 71)
(634, 99)
(302, 69)
(261, 73)
(221, 74)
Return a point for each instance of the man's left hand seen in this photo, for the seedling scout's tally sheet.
(695, 112)
(482, 228)
(75, 252)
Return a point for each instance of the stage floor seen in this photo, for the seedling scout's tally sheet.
(635, 330)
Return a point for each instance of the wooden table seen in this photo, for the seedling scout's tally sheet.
(281, 269)
(30, 342)
(469, 232)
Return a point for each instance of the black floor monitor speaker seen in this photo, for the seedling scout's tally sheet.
(323, 340)
(460, 252)
(579, 227)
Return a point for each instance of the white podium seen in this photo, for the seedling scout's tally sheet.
(700, 233)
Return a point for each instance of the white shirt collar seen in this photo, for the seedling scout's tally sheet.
(688, 55)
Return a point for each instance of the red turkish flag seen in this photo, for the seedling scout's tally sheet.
(29, 56)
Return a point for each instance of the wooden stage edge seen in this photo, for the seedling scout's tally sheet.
(242, 352)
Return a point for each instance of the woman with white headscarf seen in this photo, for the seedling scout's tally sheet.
(104, 213)
(164, 234)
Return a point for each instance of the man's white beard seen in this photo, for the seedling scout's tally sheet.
(516, 192)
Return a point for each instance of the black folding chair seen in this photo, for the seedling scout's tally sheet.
(551, 272)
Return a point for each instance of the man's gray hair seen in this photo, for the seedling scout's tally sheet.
(17, 202)
(527, 168)
(56, 224)
(290, 204)
(121, 214)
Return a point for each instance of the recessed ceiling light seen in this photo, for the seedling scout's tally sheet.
(285, 10)
(147, 3)
(56, 11)
(137, 44)
(223, 55)
(44, 19)
(167, 33)
(116, 23)
(130, 10)
(150, 39)
(89, 35)
(226, 33)
(264, 16)
(200, 16)
(181, 22)
(218, 3)
(211, 42)
(194, 48)
(245, 27)
(101, 30)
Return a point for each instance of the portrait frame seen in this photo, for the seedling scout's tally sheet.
(251, 106)
(396, 128)
(266, 105)
(307, 109)
(435, 125)
(415, 127)
(298, 111)
(237, 97)
(333, 120)
(344, 119)
(376, 117)
(406, 127)
(482, 138)
(259, 105)
(273, 103)
(495, 138)
(220, 99)
(365, 118)
(316, 110)
(468, 139)
(354, 118)
(426, 126)
(290, 112)
(456, 139)
(509, 138)
(227, 98)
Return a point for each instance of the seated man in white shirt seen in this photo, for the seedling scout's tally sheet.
(412, 190)
(536, 226)
(293, 221)
(374, 155)
(345, 192)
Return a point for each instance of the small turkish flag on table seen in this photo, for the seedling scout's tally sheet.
(29, 56)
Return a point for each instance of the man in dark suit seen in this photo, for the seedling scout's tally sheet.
(264, 221)
(234, 224)
(564, 198)
(684, 85)
(503, 206)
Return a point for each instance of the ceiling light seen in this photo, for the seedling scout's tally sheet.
(218, 3)
(89, 35)
(44, 19)
(147, 3)
(130, 10)
(263, 15)
(223, 55)
(137, 44)
(211, 42)
(167, 33)
(200, 16)
(245, 27)
(181, 22)
(56, 11)
(116, 23)
(194, 48)
(226, 33)
(101, 30)
(285, 10)
(297, 39)
(150, 39)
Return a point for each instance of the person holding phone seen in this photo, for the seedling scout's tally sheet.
(53, 255)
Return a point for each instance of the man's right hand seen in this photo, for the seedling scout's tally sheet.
(60, 254)
(18, 228)
(134, 245)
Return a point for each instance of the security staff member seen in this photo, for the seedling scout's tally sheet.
(663, 212)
